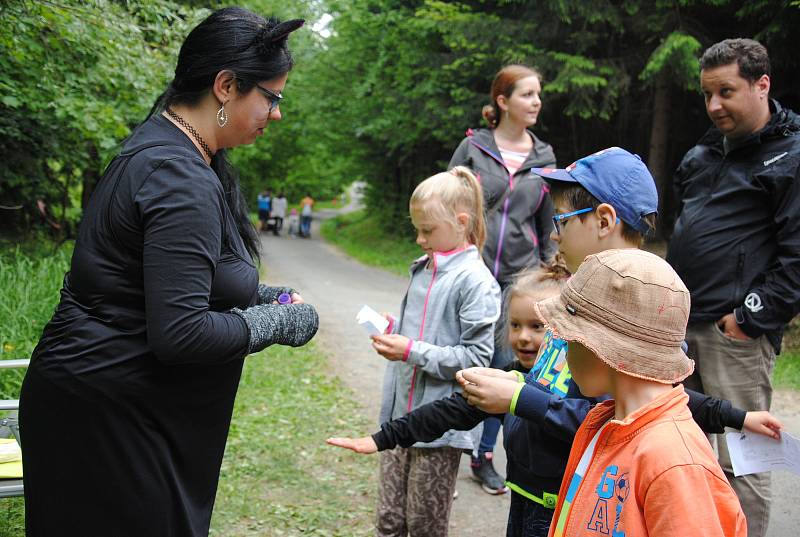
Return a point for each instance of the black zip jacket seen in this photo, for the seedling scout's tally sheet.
(736, 243)
(537, 445)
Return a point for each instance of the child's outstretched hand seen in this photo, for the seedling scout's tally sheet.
(762, 422)
(364, 444)
(390, 346)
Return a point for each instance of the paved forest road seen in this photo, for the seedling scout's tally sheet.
(338, 286)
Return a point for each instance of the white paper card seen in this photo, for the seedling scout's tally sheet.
(373, 322)
(752, 453)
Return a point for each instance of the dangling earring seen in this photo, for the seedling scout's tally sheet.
(506, 115)
(222, 116)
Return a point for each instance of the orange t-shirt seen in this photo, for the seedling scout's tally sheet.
(653, 474)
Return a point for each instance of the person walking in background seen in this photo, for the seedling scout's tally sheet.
(294, 222)
(161, 305)
(264, 207)
(736, 242)
(278, 213)
(306, 211)
(518, 207)
(446, 323)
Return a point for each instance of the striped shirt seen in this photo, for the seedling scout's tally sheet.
(512, 159)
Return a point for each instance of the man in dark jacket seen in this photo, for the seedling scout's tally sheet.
(736, 243)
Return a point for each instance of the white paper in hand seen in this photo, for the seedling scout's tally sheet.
(752, 453)
(372, 321)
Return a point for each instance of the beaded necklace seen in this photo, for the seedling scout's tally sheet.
(171, 113)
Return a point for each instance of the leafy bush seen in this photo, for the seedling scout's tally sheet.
(29, 285)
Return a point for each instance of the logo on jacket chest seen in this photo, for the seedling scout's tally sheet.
(551, 369)
(611, 491)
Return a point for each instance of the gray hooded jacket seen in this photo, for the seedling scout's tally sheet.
(449, 313)
(518, 227)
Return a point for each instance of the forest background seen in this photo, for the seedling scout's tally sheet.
(382, 91)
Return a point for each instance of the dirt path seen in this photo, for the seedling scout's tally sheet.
(338, 286)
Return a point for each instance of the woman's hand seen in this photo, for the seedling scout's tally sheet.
(365, 444)
(762, 422)
(297, 299)
(390, 346)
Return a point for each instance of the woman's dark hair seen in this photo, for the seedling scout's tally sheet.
(253, 49)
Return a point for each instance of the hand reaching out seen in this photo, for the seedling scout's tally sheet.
(762, 422)
(364, 444)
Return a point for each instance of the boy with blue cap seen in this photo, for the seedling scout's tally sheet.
(603, 201)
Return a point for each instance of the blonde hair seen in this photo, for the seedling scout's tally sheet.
(446, 194)
(534, 283)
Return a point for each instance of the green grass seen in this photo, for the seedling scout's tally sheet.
(29, 285)
(336, 203)
(278, 476)
(359, 235)
(787, 370)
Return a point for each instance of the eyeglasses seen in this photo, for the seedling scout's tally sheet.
(559, 218)
(273, 98)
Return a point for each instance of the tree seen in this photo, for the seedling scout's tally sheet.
(75, 77)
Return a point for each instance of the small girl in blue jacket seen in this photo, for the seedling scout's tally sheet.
(538, 444)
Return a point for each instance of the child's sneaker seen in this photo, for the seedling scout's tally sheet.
(483, 471)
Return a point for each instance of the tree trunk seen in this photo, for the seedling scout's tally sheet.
(659, 140)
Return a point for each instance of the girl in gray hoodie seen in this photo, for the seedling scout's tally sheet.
(446, 324)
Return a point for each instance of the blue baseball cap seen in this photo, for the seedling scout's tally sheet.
(616, 177)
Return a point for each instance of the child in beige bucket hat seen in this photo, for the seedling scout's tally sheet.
(630, 309)
(624, 314)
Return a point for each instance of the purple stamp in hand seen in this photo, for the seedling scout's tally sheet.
(284, 298)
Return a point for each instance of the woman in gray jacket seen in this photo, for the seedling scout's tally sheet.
(517, 203)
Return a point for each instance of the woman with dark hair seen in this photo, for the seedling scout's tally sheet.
(518, 207)
(128, 399)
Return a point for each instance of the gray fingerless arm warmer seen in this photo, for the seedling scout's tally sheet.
(268, 295)
(290, 324)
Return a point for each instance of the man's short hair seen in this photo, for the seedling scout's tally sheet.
(750, 55)
(576, 197)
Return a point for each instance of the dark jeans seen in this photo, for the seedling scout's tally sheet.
(305, 226)
(278, 225)
(527, 518)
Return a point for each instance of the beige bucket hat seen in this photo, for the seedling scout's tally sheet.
(630, 308)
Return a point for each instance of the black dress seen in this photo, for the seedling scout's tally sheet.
(126, 405)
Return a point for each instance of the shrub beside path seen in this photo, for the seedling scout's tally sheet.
(338, 286)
